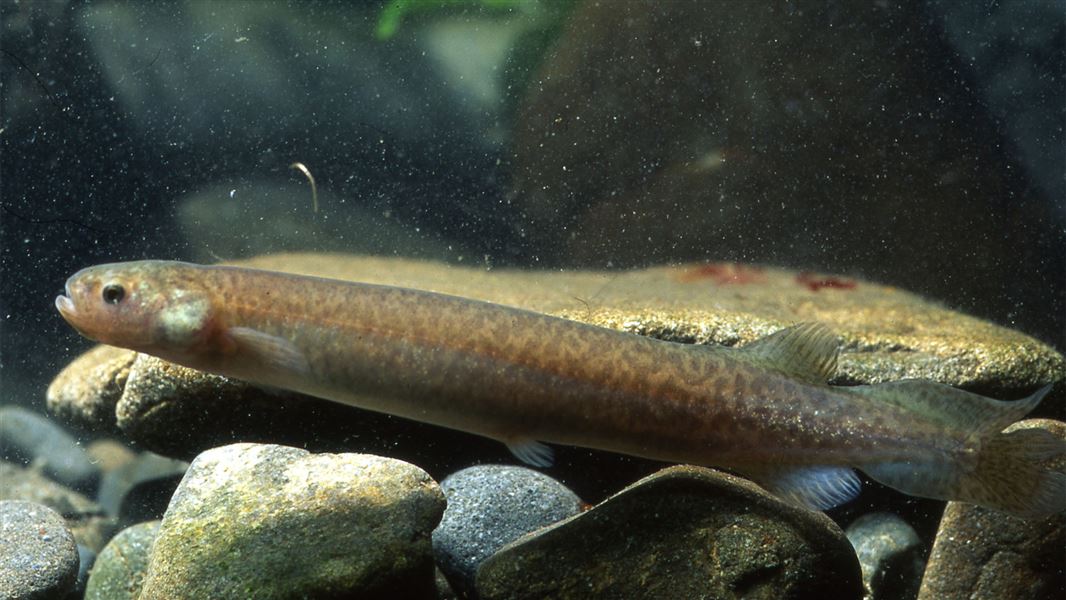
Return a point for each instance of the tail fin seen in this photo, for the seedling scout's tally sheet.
(1012, 472)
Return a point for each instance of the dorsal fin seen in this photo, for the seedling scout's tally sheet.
(807, 351)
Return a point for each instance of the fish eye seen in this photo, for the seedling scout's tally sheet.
(113, 293)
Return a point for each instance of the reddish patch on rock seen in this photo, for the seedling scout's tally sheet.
(814, 283)
(724, 273)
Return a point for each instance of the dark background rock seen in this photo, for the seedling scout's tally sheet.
(847, 136)
(33, 438)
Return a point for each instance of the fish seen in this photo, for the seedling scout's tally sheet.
(763, 410)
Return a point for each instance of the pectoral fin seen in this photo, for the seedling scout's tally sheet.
(272, 351)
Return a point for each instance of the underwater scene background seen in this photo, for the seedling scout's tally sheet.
(900, 146)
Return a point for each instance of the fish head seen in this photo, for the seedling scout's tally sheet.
(157, 307)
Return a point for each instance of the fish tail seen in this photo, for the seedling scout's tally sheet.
(1011, 472)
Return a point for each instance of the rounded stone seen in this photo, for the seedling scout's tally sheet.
(319, 524)
(119, 570)
(490, 506)
(38, 554)
(890, 554)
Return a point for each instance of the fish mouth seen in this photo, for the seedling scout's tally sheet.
(66, 307)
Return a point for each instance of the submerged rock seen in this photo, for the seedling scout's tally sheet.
(488, 507)
(890, 554)
(119, 570)
(319, 524)
(85, 518)
(43, 443)
(980, 554)
(38, 555)
(685, 532)
(86, 391)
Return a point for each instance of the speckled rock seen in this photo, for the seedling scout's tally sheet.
(38, 555)
(685, 532)
(981, 554)
(90, 526)
(119, 570)
(41, 441)
(886, 334)
(488, 507)
(86, 391)
(890, 554)
(319, 524)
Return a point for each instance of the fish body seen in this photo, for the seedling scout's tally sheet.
(525, 378)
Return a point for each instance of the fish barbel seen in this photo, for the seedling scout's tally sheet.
(524, 378)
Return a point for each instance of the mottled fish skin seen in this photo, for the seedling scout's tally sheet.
(510, 374)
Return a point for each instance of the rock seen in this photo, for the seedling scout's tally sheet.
(119, 570)
(779, 129)
(684, 532)
(890, 554)
(980, 554)
(86, 391)
(40, 441)
(319, 524)
(38, 555)
(488, 507)
(887, 334)
(118, 486)
(84, 517)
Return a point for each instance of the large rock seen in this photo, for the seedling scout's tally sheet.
(38, 555)
(980, 554)
(318, 524)
(685, 532)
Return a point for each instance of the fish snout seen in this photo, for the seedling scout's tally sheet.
(65, 305)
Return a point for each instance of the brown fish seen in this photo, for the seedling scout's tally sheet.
(526, 378)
